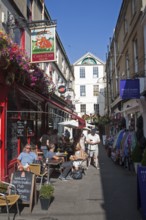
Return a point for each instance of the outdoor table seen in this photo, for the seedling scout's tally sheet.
(61, 154)
(52, 163)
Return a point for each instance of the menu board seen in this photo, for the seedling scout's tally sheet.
(20, 128)
(25, 184)
(12, 141)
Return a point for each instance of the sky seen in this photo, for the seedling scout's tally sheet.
(84, 25)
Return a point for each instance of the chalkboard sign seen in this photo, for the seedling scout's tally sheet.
(25, 185)
(20, 128)
(141, 188)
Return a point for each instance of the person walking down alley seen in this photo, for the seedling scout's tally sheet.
(93, 140)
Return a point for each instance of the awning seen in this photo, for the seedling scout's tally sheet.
(69, 124)
(31, 93)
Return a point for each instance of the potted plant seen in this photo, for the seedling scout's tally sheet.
(136, 156)
(46, 195)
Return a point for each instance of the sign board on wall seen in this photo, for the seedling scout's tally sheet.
(130, 89)
(43, 44)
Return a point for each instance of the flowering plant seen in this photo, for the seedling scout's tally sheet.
(16, 67)
(96, 118)
(41, 81)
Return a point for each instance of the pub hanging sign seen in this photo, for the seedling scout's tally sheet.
(130, 89)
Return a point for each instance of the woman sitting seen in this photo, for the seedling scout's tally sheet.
(78, 157)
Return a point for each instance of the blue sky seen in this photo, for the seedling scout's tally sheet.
(84, 26)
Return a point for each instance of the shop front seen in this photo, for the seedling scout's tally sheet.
(24, 116)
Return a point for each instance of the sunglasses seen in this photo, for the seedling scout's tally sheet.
(28, 148)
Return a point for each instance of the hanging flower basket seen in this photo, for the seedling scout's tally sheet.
(16, 67)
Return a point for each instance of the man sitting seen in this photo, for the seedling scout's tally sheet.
(65, 166)
(25, 158)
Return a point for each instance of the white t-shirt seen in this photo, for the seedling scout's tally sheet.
(94, 138)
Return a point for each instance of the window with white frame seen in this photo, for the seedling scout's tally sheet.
(17, 34)
(82, 72)
(82, 90)
(95, 90)
(83, 108)
(95, 72)
(135, 50)
(96, 108)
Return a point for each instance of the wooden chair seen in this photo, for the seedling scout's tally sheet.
(36, 169)
(7, 199)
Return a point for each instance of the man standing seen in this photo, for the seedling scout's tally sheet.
(93, 140)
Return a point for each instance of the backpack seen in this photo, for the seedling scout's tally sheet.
(77, 174)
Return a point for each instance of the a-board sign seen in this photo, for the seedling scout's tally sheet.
(25, 185)
(141, 189)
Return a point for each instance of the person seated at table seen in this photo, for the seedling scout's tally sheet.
(66, 167)
(78, 157)
(25, 158)
(37, 151)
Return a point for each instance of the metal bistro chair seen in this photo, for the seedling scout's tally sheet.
(36, 169)
(7, 199)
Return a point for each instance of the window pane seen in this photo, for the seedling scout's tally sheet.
(95, 90)
(82, 72)
(95, 72)
(135, 56)
(83, 108)
(82, 91)
(96, 108)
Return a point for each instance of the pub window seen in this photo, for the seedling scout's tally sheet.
(82, 72)
(82, 90)
(83, 108)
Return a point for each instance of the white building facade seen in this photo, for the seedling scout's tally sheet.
(89, 85)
